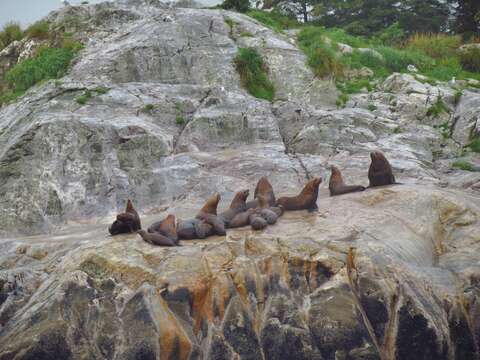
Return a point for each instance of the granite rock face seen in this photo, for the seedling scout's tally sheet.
(390, 273)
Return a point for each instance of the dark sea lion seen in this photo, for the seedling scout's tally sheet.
(337, 185)
(380, 172)
(265, 188)
(237, 206)
(193, 229)
(257, 222)
(126, 222)
(306, 200)
(156, 238)
(242, 219)
(265, 211)
(208, 213)
(166, 227)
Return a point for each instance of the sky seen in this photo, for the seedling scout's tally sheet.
(28, 11)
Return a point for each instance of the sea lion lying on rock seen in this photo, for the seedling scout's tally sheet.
(166, 227)
(237, 206)
(156, 238)
(264, 188)
(306, 200)
(126, 222)
(208, 213)
(337, 185)
(380, 172)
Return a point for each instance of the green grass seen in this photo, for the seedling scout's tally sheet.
(463, 165)
(470, 59)
(10, 32)
(148, 108)
(274, 20)
(101, 90)
(39, 30)
(50, 63)
(82, 99)
(342, 100)
(398, 130)
(341, 36)
(474, 145)
(458, 96)
(246, 34)
(437, 108)
(254, 74)
(437, 46)
(445, 130)
(371, 107)
(321, 56)
(180, 120)
(231, 25)
(354, 86)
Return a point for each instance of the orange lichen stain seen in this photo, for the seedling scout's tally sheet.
(202, 305)
(376, 197)
(174, 342)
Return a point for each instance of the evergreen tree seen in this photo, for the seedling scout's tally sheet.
(424, 16)
(467, 17)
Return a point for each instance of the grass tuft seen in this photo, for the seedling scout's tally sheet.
(39, 30)
(274, 20)
(437, 108)
(437, 46)
(463, 165)
(11, 32)
(82, 99)
(474, 145)
(254, 73)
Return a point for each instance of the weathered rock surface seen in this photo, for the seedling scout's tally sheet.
(390, 273)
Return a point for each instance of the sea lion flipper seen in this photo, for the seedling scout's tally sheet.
(313, 208)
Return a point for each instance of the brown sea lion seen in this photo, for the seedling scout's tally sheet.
(166, 227)
(257, 222)
(156, 238)
(126, 222)
(242, 219)
(380, 172)
(193, 229)
(337, 185)
(265, 188)
(208, 213)
(265, 211)
(237, 206)
(306, 200)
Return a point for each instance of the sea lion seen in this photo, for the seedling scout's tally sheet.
(380, 171)
(265, 211)
(238, 205)
(265, 188)
(257, 222)
(166, 227)
(156, 238)
(242, 219)
(337, 185)
(126, 222)
(306, 200)
(193, 229)
(208, 213)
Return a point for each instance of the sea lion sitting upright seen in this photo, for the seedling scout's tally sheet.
(337, 185)
(156, 238)
(166, 227)
(265, 188)
(208, 213)
(126, 222)
(306, 200)
(237, 206)
(380, 172)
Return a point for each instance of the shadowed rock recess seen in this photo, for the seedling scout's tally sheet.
(388, 273)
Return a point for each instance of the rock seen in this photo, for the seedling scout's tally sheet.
(373, 52)
(344, 48)
(466, 117)
(363, 72)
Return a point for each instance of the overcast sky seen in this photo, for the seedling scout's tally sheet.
(28, 11)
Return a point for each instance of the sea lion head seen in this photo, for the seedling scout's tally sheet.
(168, 226)
(119, 227)
(129, 207)
(263, 186)
(210, 206)
(378, 159)
(336, 176)
(312, 185)
(239, 199)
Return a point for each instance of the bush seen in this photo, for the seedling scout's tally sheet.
(253, 74)
(397, 60)
(437, 46)
(437, 108)
(48, 64)
(237, 5)
(470, 59)
(39, 30)
(10, 33)
(82, 99)
(274, 20)
(445, 69)
(393, 35)
(321, 56)
(354, 86)
(474, 145)
(341, 36)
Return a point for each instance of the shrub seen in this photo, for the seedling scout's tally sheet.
(39, 30)
(179, 120)
(470, 59)
(445, 69)
(393, 35)
(354, 86)
(341, 36)
(48, 64)
(358, 59)
(463, 165)
(148, 107)
(274, 20)
(372, 107)
(321, 56)
(101, 90)
(238, 5)
(397, 60)
(10, 33)
(437, 46)
(253, 73)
